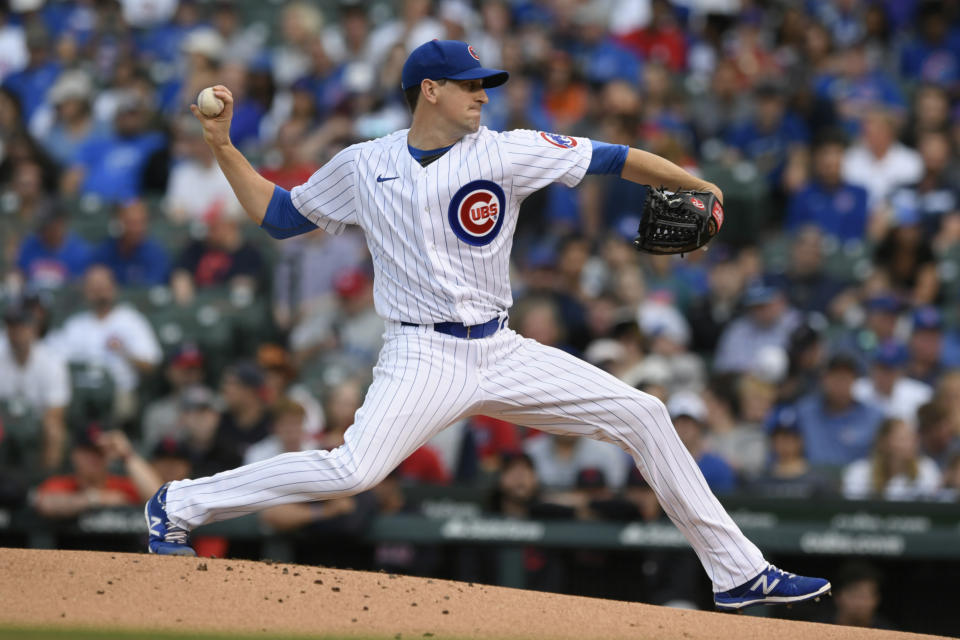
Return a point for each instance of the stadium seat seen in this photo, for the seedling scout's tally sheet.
(746, 192)
(21, 436)
(92, 391)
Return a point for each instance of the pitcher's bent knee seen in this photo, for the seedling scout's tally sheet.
(368, 481)
(645, 406)
(348, 478)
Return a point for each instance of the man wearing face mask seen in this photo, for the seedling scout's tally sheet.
(115, 337)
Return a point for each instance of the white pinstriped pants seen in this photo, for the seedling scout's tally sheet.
(426, 380)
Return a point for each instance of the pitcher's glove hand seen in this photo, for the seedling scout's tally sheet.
(678, 222)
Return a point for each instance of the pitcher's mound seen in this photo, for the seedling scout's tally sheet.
(130, 591)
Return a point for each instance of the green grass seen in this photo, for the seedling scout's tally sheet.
(24, 633)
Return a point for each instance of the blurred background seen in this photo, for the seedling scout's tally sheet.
(810, 359)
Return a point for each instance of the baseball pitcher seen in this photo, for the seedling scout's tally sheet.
(438, 206)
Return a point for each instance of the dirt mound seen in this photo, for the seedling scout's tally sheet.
(129, 591)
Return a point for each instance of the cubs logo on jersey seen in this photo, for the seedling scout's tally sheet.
(558, 140)
(476, 212)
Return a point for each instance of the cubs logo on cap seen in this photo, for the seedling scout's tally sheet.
(476, 212)
(473, 52)
(558, 140)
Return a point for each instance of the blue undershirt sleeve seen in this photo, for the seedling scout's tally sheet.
(607, 158)
(282, 220)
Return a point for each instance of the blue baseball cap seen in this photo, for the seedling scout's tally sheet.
(927, 318)
(448, 59)
(759, 293)
(845, 360)
(890, 354)
(884, 303)
(783, 418)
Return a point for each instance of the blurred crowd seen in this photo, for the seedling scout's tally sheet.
(151, 333)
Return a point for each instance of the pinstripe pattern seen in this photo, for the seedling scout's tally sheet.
(424, 380)
(542, 387)
(418, 389)
(423, 272)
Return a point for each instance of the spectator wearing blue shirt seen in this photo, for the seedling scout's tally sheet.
(879, 327)
(135, 259)
(598, 53)
(771, 135)
(788, 474)
(111, 166)
(837, 429)
(689, 414)
(857, 88)
(844, 20)
(325, 79)
(31, 84)
(70, 20)
(767, 321)
(248, 117)
(162, 40)
(933, 55)
(926, 345)
(70, 117)
(518, 109)
(901, 12)
(836, 207)
(53, 255)
(807, 285)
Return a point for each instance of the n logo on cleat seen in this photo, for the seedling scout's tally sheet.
(761, 583)
(155, 522)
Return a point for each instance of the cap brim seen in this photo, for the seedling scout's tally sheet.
(491, 77)
(889, 364)
(780, 428)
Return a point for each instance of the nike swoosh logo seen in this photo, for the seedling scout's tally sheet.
(382, 179)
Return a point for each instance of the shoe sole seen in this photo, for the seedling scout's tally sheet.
(190, 553)
(734, 606)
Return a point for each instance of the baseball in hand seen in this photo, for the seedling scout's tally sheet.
(209, 104)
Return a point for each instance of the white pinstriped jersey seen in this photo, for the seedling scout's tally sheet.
(440, 235)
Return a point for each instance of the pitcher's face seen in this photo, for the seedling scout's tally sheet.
(460, 102)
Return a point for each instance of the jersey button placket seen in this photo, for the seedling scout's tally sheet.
(426, 225)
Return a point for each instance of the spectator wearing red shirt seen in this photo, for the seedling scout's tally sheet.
(293, 168)
(90, 486)
(662, 40)
(424, 467)
(494, 439)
